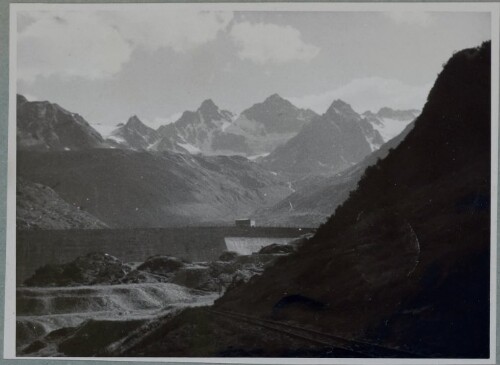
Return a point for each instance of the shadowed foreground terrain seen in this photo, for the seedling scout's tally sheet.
(403, 263)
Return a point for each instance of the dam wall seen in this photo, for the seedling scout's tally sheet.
(37, 248)
(249, 245)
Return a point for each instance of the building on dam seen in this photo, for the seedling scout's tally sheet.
(244, 222)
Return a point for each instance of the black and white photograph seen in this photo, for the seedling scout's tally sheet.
(229, 182)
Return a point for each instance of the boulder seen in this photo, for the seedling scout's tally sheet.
(161, 265)
(197, 277)
(277, 249)
(93, 268)
(228, 256)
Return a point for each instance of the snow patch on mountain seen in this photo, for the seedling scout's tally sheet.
(190, 148)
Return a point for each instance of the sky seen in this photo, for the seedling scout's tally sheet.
(157, 63)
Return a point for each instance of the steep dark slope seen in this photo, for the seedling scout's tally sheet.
(45, 126)
(404, 262)
(316, 197)
(39, 207)
(125, 188)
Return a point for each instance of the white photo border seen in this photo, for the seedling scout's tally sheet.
(10, 262)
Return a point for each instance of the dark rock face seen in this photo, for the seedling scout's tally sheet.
(332, 142)
(40, 207)
(44, 126)
(94, 268)
(404, 262)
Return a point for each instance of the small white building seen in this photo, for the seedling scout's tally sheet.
(245, 222)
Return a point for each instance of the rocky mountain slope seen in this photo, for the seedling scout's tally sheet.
(256, 131)
(40, 207)
(404, 262)
(125, 188)
(316, 197)
(201, 131)
(270, 123)
(134, 134)
(332, 142)
(45, 126)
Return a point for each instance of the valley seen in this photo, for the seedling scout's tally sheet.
(341, 234)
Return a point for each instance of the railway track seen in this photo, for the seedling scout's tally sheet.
(350, 347)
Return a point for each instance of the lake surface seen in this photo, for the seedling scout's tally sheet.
(37, 248)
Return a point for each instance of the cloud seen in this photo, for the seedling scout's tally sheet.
(369, 93)
(180, 30)
(270, 43)
(70, 44)
(96, 45)
(419, 18)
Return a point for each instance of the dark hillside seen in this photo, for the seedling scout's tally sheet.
(125, 188)
(404, 262)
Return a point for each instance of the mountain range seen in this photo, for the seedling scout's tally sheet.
(249, 163)
(209, 130)
(332, 142)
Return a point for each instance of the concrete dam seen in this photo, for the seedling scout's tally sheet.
(38, 248)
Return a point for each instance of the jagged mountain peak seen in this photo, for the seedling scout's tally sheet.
(209, 111)
(274, 98)
(208, 105)
(42, 125)
(134, 134)
(135, 122)
(340, 107)
(275, 115)
(274, 101)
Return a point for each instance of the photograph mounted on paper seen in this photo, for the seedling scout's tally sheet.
(220, 181)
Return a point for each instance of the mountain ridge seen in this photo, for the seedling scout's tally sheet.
(404, 262)
(42, 125)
